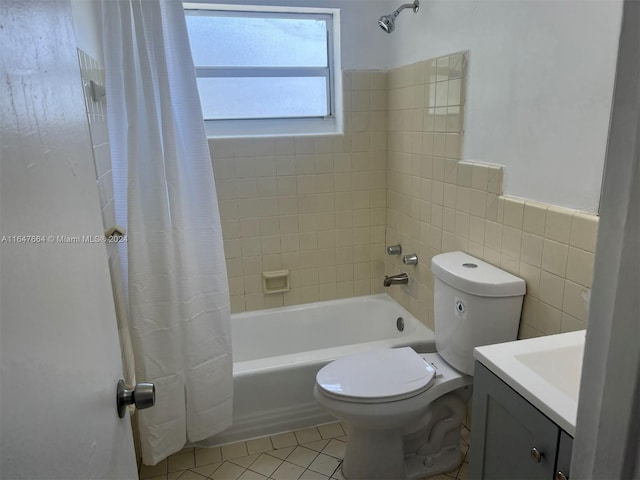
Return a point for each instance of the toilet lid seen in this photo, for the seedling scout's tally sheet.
(387, 374)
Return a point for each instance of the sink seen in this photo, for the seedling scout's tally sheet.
(544, 370)
(561, 367)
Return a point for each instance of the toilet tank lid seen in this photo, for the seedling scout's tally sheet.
(471, 275)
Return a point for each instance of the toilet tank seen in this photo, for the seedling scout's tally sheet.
(475, 304)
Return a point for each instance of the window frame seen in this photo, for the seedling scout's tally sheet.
(330, 124)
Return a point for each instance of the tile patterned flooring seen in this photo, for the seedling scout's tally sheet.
(311, 454)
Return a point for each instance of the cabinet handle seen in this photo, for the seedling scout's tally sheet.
(536, 455)
(561, 476)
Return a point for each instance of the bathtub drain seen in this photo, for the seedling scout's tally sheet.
(400, 324)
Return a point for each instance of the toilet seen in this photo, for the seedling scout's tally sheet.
(403, 411)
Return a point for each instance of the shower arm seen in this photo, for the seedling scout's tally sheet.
(387, 22)
(415, 6)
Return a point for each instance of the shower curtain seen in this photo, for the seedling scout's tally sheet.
(173, 262)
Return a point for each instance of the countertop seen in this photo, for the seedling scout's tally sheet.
(544, 370)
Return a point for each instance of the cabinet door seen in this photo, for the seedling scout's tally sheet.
(564, 456)
(506, 429)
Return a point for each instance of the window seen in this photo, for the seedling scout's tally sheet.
(266, 71)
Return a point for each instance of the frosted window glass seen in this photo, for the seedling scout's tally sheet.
(262, 97)
(237, 41)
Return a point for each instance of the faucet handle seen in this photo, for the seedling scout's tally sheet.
(394, 249)
(411, 259)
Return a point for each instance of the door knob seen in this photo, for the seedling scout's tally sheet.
(143, 395)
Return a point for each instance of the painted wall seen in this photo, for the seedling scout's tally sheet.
(364, 45)
(539, 91)
(87, 25)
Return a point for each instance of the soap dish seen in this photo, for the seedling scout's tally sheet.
(275, 282)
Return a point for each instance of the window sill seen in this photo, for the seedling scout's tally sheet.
(273, 127)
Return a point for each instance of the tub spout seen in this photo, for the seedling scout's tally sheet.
(399, 279)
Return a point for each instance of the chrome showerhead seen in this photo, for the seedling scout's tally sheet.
(388, 22)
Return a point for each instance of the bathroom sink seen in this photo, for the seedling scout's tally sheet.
(545, 370)
(561, 367)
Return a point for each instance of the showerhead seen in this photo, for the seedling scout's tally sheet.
(388, 22)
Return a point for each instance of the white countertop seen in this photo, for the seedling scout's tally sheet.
(544, 370)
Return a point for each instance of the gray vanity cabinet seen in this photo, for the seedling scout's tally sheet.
(564, 456)
(510, 438)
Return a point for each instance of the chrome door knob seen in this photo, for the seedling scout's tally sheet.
(561, 476)
(536, 455)
(143, 395)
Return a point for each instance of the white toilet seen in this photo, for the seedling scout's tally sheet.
(403, 411)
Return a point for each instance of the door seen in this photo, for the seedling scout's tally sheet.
(60, 354)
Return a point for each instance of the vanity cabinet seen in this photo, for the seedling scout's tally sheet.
(510, 438)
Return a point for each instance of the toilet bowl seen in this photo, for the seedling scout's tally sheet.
(403, 411)
(380, 418)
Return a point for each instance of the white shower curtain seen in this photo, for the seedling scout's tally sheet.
(173, 263)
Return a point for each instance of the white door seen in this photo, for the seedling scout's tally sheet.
(60, 355)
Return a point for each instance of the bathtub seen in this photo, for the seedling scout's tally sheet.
(277, 353)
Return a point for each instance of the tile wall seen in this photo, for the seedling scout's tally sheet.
(426, 108)
(325, 207)
(315, 206)
(90, 69)
(436, 203)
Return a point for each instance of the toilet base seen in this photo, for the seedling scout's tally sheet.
(383, 459)
(374, 455)
(391, 465)
(445, 461)
(430, 448)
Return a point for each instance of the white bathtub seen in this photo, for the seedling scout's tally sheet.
(277, 353)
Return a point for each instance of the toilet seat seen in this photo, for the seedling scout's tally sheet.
(374, 377)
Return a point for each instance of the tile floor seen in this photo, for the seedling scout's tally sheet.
(310, 454)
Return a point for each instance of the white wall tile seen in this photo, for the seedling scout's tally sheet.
(584, 231)
(580, 266)
(558, 224)
(554, 257)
